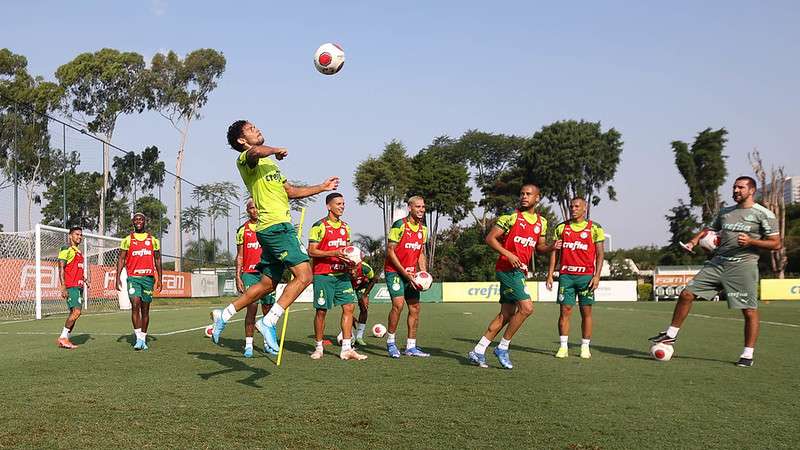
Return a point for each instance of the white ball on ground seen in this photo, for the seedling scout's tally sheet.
(661, 352)
(208, 330)
(378, 330)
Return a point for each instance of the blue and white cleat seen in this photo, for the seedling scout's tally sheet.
(394, 352)
(144, 345)
(248, 352)
(139, 345)
(269, 350)
(416, 351)
(502, 356)
(219, 325)
(269, 333)
(477, 359)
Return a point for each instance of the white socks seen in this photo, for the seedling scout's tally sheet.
(411, 343)
(64, 333)
(138, 333)
(318, 345)
(585, 342)
(273, 315)
(360, 330)
(248, 342)
(482, 345)
(672, 332)
(563, 340)
(228, 312)
(389, 338)
(504, 343)
(346, 345)
(747, 353)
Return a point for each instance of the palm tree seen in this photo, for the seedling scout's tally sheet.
(192, 219)
(372, 248)
(219, 198)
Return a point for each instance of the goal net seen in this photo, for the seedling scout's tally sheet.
(29, 283)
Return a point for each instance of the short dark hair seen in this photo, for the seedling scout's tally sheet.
(750, 181)
(234, 133)
(331, 196)
(530, 184)
(75, 229)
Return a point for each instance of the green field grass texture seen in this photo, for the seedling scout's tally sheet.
(186, 392)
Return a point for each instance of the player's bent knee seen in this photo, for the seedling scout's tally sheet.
(686, 296)
(525, 308)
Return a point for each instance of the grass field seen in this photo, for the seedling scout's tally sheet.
(186, 392)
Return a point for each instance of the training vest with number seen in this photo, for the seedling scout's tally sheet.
(520, 240)
(408, 249)
(140, 261)
(334, 239)
(251, 249)
(577, 251)
(73, 271)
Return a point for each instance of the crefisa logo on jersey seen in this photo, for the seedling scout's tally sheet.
(253, 245)
(525, 242)
(413, 245)
(338, 243)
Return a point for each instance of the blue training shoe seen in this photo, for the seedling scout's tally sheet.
(144, 345)
(416, 351)
(138, 345)
(269, 350)
(219, 325)
(394, 352)
(248, 352)
(478, 359)
(269, 333)
(502, 356)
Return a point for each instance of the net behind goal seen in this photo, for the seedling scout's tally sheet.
(29, 283)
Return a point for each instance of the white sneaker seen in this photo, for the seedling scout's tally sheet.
(352, 354)
(585, 353)
(317, 354)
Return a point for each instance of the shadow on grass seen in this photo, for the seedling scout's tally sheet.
(232, 365)
(130, 339)
(81, 339)
(513, 347)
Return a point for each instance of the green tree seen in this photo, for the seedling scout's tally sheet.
(384, 181)
(702, 166)
(202, 251)
(218, 198)
(373, 250)
(137, 173)
(100, 87)
(683, 225)
(179, 89)
(156, 211)
(444, 184)
(570, 159)
(83, 200)
(192, 220)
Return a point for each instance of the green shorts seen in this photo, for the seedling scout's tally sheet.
(512, 287)
(74, 297)
(249, 279)
(141, 287)
(280, 249)
(399, 287)
(333, 290)
(572, 286)
(739, 280)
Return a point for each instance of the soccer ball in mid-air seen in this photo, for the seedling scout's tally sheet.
(661, 352)
(424, 280)
(352, 254)
(208, 330)
(709, 240)
(378, 330)
(329, 59)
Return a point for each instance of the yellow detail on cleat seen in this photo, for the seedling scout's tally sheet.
(562, 352)
(585, 353)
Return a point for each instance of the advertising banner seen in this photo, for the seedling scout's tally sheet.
(479, 292)
(786, 289)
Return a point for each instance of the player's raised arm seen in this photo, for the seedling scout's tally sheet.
(257, 152)
(307, 191)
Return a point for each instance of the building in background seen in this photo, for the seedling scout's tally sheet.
(791, 190)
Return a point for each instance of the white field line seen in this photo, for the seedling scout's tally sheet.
(60, 316)
(168, 333)
(705, 316)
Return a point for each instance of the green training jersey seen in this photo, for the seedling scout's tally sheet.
(265, 182)
(757, 222)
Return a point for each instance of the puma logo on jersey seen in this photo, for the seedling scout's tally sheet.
(412, 246)
(525, 242)
(576, 246)
(142, 252)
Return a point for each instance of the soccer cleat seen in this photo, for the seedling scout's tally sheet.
(585, 353)
(394, 352)
(248, 352)
(505, 360)
(416, 351)
(138, 345)
(562, 352)
(219, 325)
(478, 359)
(270, 336)
(317, 353)
(65, 343)
(663, 338)
(360, 342)
(745, 362)
(144, 345)
(352, 354)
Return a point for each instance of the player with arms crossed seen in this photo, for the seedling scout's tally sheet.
(71, 274)
(362, 278)
(514, 237)
(280, 246)
(581, 245)
(744, 229)
(140, 255)
(326, 243)
(248, 255)
(404, 255)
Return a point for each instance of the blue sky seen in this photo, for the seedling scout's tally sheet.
(416, 70)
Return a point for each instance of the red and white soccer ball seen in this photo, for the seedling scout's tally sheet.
(424, 280)
(709, 240)
(329, 59)
(352, 254)
(378, 330)
(208, 330)
(661, 351)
